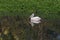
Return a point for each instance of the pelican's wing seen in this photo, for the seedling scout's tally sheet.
(38, 17)
(32, 15)
(32, 24)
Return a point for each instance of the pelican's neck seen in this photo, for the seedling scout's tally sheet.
(32, 15)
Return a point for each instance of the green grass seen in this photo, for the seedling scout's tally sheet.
(48, 9)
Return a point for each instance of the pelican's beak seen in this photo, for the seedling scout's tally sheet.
(32, 24)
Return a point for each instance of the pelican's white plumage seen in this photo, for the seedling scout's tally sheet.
(35, 20)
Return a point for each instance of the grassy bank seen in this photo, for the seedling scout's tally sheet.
(48, 9)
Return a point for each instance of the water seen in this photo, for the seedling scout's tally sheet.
(58, 37)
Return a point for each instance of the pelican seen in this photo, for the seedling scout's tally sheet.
(34, 20)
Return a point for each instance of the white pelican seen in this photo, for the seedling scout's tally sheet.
(35, 19)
